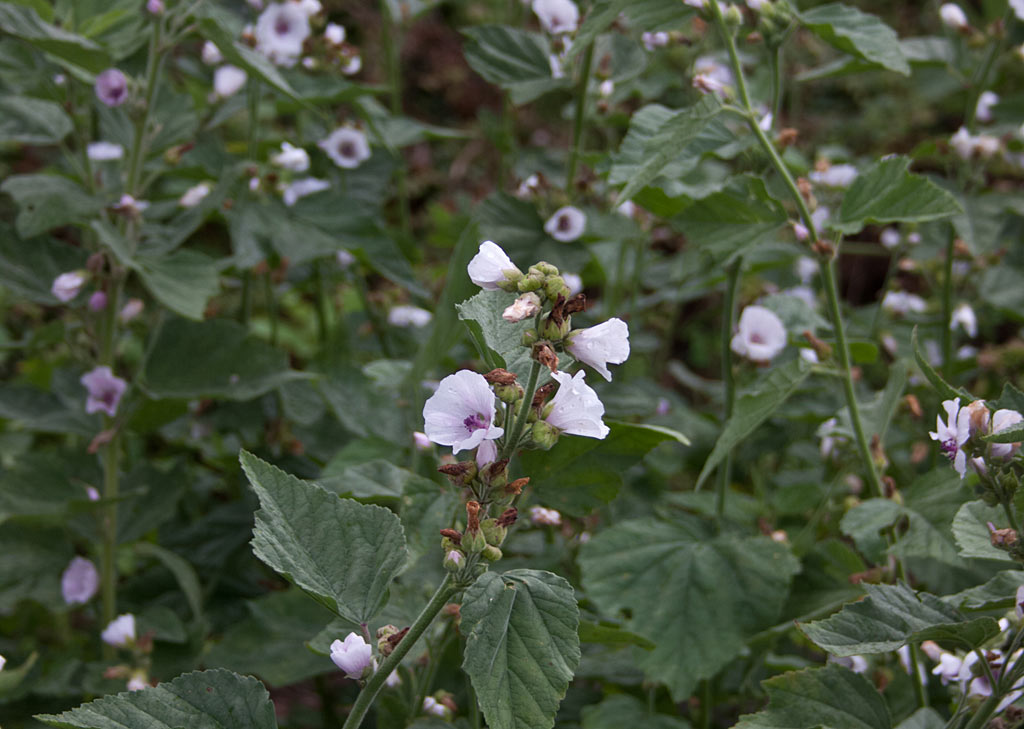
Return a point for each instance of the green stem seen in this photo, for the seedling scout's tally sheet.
(512, 436)
(389, 30)
(705, 703)
(980, 79)
(775, 63)
(246, 312)
(268, 292)
(915, 676)
(139, 145)
(728, 382)
(578, 118)
(322, 308)
(365, 699)
(376, 322)
(947, 310)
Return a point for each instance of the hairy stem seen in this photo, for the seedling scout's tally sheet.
(578, 118)
(512, 436)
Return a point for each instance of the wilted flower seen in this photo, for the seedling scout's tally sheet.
(298, 189)
(901, 302)
(890, 238)
(567, 224)
(347, 147)
(97, 301)
(409, 316)
(281, 30)
(334, 34)
(461, 413)
(963, 316)
(953, 434)
(953, 17)
(352, 656)
(105, 390)
(1003, 420)
(487, 268)
(211, 54)
(983, 111)
(575, 408)
(120, 631)
(131, 309)
(292, 158)
(228, 81)
(545, 517)
(557, 16)
(194, 195)
(835, 175)
(655, 39)
(112, 87)
(526, 306)
(79, 582)
(67, 285)
(760, 334)
(601, 345)
(104, 151)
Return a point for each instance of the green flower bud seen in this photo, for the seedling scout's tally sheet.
(555, 332)
(491, 553)
(493, 533)
(474, 543)
(529, 338)
(556, 286)
(454, 560)
(733, 17)
(545, 268)
(533, 281)
(544, 435)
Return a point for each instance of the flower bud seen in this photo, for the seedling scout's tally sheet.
(733, 17)
(459, 473)
(529, 338)
(493, 532)
(544, 435)
(525, 307)
(491, 553)
(532, 281)
(385, 634)
(454, 560)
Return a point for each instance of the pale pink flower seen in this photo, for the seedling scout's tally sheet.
(567, 224)
(194, 195)
(545, 517)
(601, 345)
(67, 285)
(890, 238)
(835, 176)
(120, 631)
(760, 334)
(112, 87)
(105, 390)
(79, 582)
(103, 151)
(654, 39)
(352, 656)
(953, 16)
(435, 708)
(964, 316)
(486, 452)
(280, 32)
(575, 408)
(953, 434)
(1003, 420)
(155, 7)
(131, 309)
(137, 682)
(557, 16)
(574, 282)
(983, 111)
(487, 268)
(347, 147)
(211, 54)
(420, 441)
(409, 316)
(298, 189)
(334, 34)
(461, 413)
(228, 81)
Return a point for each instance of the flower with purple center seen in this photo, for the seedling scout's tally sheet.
(105, 390)
(952, 434)
(112, 87)
(760, 334)
(79, 582)
(575, 408)
(557, 16)
(461, 413)
(281, 30)
(567, 224)
(347, 147)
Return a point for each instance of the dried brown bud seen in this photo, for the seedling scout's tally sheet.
(543, 353)
(804, 186)
(542, 393)
(459, 472)
(1003, 538)
(913, 405)
(787, 138)
(102, 438)
(823, 350)
(451, 610)
(509, 516)
(516, 487)
(823, 249)
(960, 249)
(500, 377)
(394, 639)
(472, 516)
(452, 534)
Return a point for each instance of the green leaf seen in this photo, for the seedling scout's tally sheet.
(601, 15)
(25, 23)
(182, 281)
(865, 522)
(944, 389)
(12, 677)
(753, 408)
(971, 533)
(579, 474)
(622, 710)
(28, 267)
(888, 193)
(224, 361)
(522, 646)
(668, 142)
(603, 633)
(517, 60)
(1010, 399)
(214, 698)
(859, 34)
(183, 572)
(32, 121)
(500, 341)
(48, 201)
(999, 593)
(40, 484)
(698, 596)
(1014, 434)
(342, 552)
(891, 616)
(926, 718)
(726, 223)
(832, 696)
(44, 411)
(31, 562)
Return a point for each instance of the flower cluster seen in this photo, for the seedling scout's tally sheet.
(960, 437)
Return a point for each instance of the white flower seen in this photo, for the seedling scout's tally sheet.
(3, 661)
(194, 195)
(913, 238)
(953, 434)
(352, 656)
(808, 355)
(755, 5)
(545, 517)
(601, 345)
(487, 268)
(718, 73)
(228, 81)
(528, 186)
(963, 143)
(953, 17)
(292, 158)
(555, 64)
(128, 205)
(345, 258)
(1018, 8)
(66, 286)
(309, 7)
(835, 176)
(298, 189)
(574, 282)
(828, 440)
(948, 668)
(699, 4)
(655, 39)
(557, 16)
(1002, 420)
(804, 293)
(766, 122)
(963, 316)
(1018, 603)
(434, 707)
(526, 306)
(130, 310)
(79, 582)
(486, 452)
(352, 66)
(983, 112)
(211, 54)
(820, 215)
(121, 631)
(409, 316)
(575, 408)
(280, 32)
(806, 268)
(567, 224)
(420, 441)
(461, 413)
(890, 238)
(760, 335)
(707, 84)
(137, 683)
(347, 147)
(334, 34)
(393, 679)
(104, 151)
(901, 302)
(626, 209)
(986, 145)
(606, 88)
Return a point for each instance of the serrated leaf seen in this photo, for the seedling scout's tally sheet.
(32, 121)
(891, 616)
(25, 23)
(832, 696)
(503, 339)
(889, 193)
(522, 646)
(859, 34)
(999, 593)
(1010, 399)
(48, 201)
(517, 60)
(754, 407)
(1013, 434)
(971, 533)
(342, 552)
(698, 596)
(215, 698)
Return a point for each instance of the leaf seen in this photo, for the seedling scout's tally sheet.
(753, 408)
(28, 267)
(698, 596)
(183, 572)
(48, 201)
(601, 15)
(866, 520)
(41, 484)
(1013, 434)
(926, 718)
(32, 121)
(944, 389)
(224, 361)
(602, 633)
(522, 646)
(670, 139)
(971, 533)
(621, 710)
(579, 474)
(888, 193)
(215, 698)
(44, 411)
(25, 23)
(891, 616)
(342, 552)
(859, 34)
(1010, 399)
(31, 561)
(999, 593)
(516, 60)
(182, 281)
(500, 341)
(832, 696)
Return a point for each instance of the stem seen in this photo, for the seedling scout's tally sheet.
(268, 291)
(947, 311)
(139, 144)
(1005, 503)
(513, 436)
(775, 63)
(388, 33)
(915, 676)
(444, 591)
(980, 78)
(578, 118)
(705, 703)
(322, 309)
(729, 384)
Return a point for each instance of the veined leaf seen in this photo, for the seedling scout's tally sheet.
(859, 34)
(32, 121)
(971, 533)
(48, 201)
(945, 390)
(516, 60)
(25, 23)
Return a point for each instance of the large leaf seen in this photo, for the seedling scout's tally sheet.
(25, 23)
(832, 696)
(342, 552)
(48, 201)
(183, 281)
(893, 615)
(205, 699)
(622, 710)
(601, 15)
(754, 407)
(28, 268)
(32, 121)
(500, 341)
(859, 34)
(31, 561)
(970, 529)
(44, 411)
(517, 60)
(522, 647)
(696, 595)
(580, 474)
(889, 193)
(999, 593)
(223, 361)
